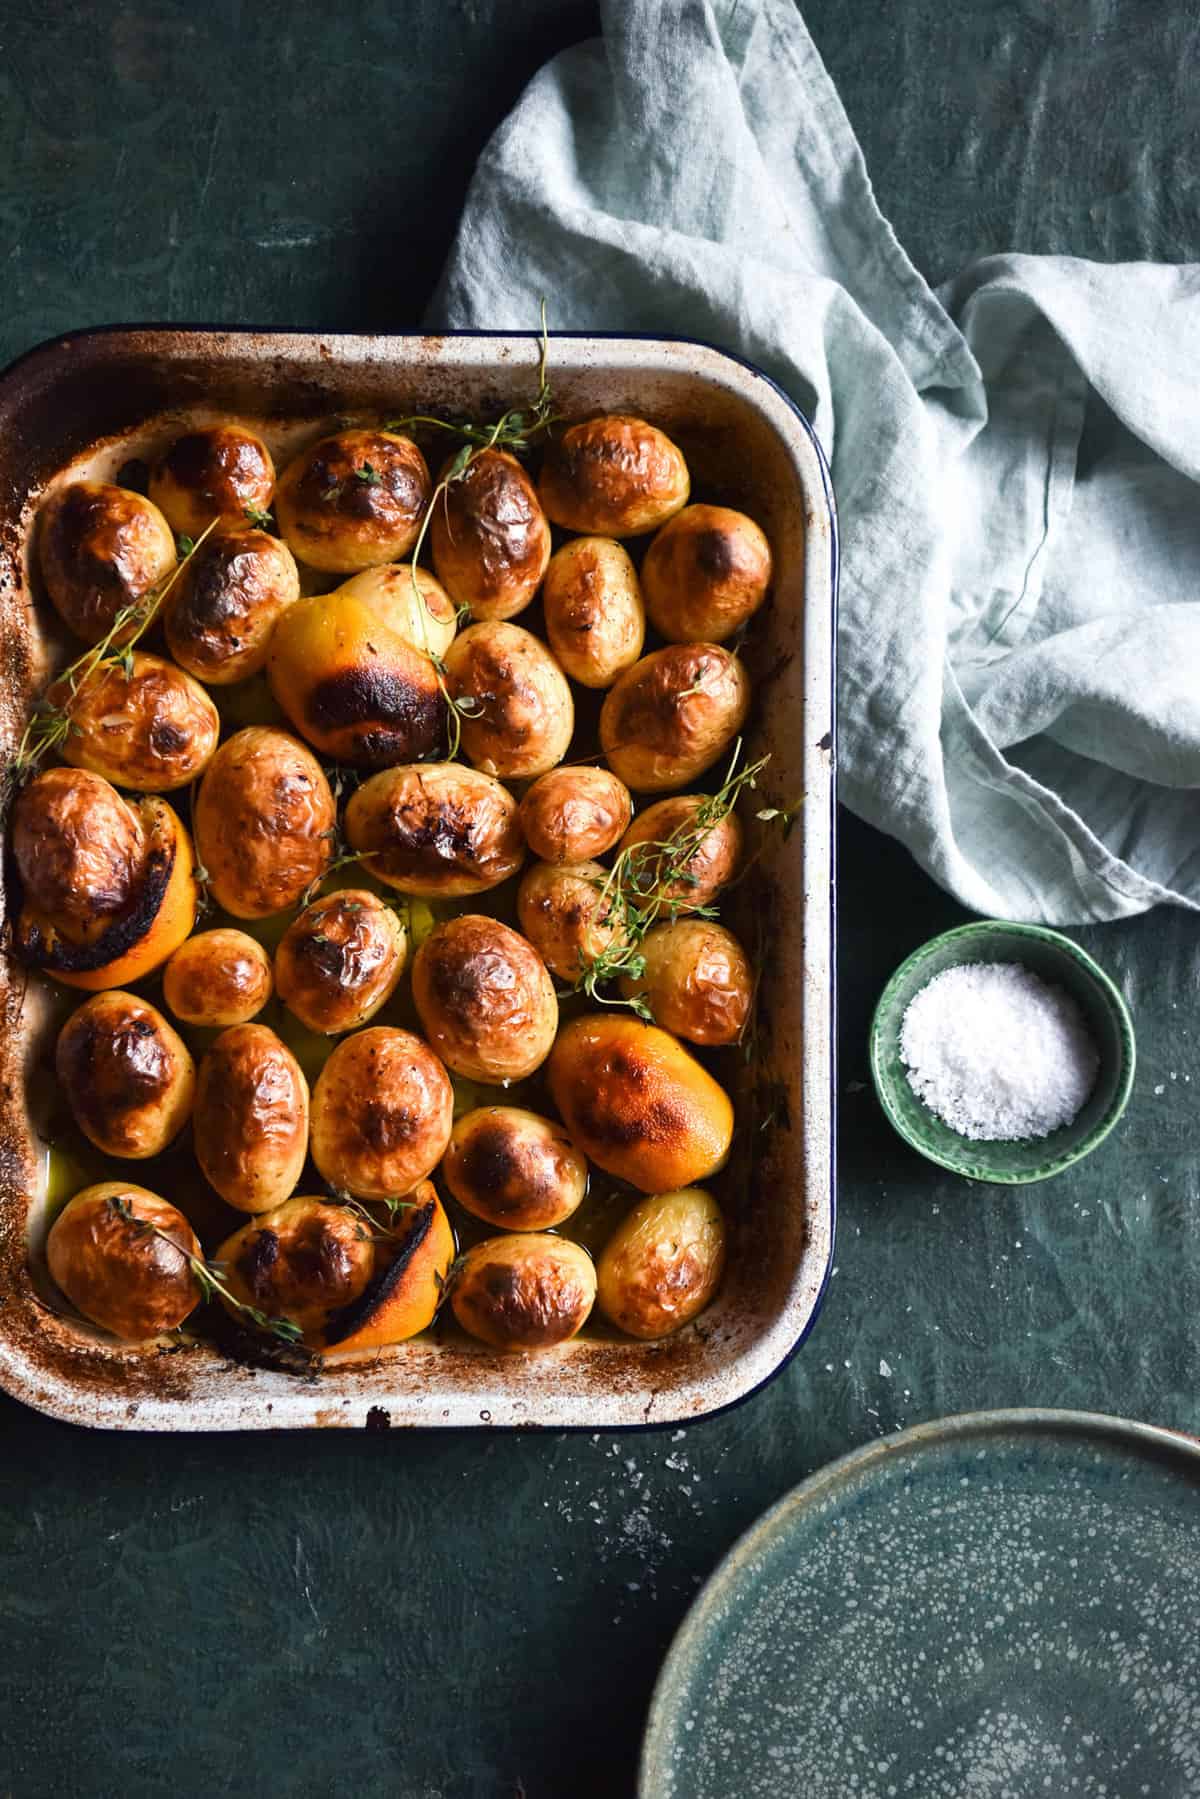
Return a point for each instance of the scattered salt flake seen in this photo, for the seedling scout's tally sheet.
(1161, 1087)
(885, 1370)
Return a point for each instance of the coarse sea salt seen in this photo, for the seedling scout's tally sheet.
(997, 1053)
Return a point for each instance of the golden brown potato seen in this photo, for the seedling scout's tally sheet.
(218, 471)
(673, 714)
(340, 961)
(355, 690)
(705, 574)
(490, 538)
(439, 830)
(563, 912)
(638, 1104)
(697, 981)
(218, 978)
(485, 999)
(353, 500)
(264, 821)
(413, 1257)
(382, 1111)
(593, 606)
(427, 619)
(514, 1169)
(306, 1261)
(120, 1274)
(126, 1074)
(684, 862)
(615, 476)
(524, 1292)
(251, 1118)
(221, 612)
(515, 707)
(101, 549)
(663, 1263)
(154, 730)
(575, 814)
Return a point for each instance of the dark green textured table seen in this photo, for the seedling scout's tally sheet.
(428, 1617)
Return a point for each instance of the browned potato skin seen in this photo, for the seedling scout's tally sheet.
(514, 1169)
(485, 999)
(335, 519)
(595, 619)
(673, 714)
(489, 537)
(121, 1276)
(615, 476)
(219, 615)
(438, 830)
(218, 978)
(575, 814)
(526, 1291)
(426, 619)
(126, 1074)
(697, 981)
(264, 820)
(638, 1104)
(101, 548)
(218, 471)
(304, 1260)
(562, 911)
(340, 961)
(711, 864)
(383, 1108)
(251, 1118)
(521, 714)
(662, 1264)
(707, 571)
(154, 731)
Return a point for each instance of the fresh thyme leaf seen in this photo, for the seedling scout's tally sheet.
(211, 1284)
(258, 515)
(370, 477)
(186, 544)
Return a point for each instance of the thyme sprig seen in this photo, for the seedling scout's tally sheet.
(340, 1196)
(212, 1285)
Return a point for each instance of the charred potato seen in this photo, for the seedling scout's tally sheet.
(218, 978)
(383, 1107)
(663, 1263)
(673, 714)
(154, 729)
(220, 613)
(126, 1074)
(527, 1291)
(485, 999)
(101, 549)
(514, 1169)
(251, 1118)
(638, 1104)
(305, 1261)
(412, 1261)
(264, 820)
(105, 1252)
(515, 707)
(698, 860)
(615, 476)
(707, 572)
(412, 603)
(340, 961)
(353, 500)
(595, 619)
(489, 537)
(439, 830)
(563, 911)
(697, 981)
(219, 471)
(575, 814)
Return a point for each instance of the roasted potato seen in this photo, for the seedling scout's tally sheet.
(264, 820)
(575, 814)
(663, 1263)
(413, 1257)
(349, 685)
(306, 1261)
(339, 962)
(218, 471)
(426, 618)
(707, 571)
(514, 1169)
(219, 615)
(490, 538)
(153, 730)
(117, 1271)
(595, 619)
(218, 978)
(515, 707)
(126, 1075)
(683, 862)
(438, 830)
(613, 477)
(251, 1118)
(673, 714)
(638, 1104)
(382, 1111)
(564, 913)
(485, 999)
(697, 981)
(353, 500)
(101, 549)
(527, 1291)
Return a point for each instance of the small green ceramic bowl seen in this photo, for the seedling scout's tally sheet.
(1058, 961)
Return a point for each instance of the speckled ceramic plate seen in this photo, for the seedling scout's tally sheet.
(1002, 1604)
